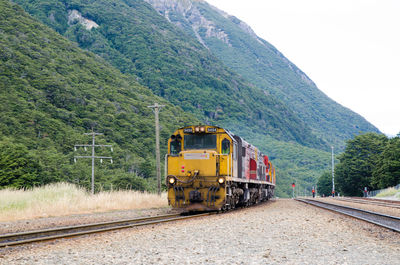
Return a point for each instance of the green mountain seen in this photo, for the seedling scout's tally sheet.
(173, 61)
(134, 38)
(51, 92)
(235, 43)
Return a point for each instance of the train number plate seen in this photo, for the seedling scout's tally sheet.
(191, 156)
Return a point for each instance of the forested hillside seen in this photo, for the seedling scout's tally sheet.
(56, 91)
(134, 38)
(234, 43)
(51, 92)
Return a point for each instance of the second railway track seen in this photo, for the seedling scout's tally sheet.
(20, 238)
(387, 221)
(383, 203)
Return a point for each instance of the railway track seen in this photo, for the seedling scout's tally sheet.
(384, 203)
(387, 221)
(380, 200)
(21, 238)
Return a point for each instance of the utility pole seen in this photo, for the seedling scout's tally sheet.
(157, 108)
(333, 175)
(93, 156)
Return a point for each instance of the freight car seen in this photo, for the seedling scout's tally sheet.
(210, 168)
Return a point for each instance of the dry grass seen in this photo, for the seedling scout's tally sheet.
(65, 199)
(389, 192)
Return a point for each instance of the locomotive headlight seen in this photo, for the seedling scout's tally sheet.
(197, 129)
(171, 180)
(202, 129)
(221, 180)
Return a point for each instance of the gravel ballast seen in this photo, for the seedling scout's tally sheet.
(281, 232)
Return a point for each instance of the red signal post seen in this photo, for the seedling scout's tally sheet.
(293, 185)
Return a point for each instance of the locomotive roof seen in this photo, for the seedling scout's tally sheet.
(231, 135)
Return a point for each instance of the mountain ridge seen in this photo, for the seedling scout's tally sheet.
(261, 63)
(140, 42)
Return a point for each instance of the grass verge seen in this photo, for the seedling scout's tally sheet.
(65, 199)
(389, 192)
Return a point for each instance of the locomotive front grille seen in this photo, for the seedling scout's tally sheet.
(195, 196)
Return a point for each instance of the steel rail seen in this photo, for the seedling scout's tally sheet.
(371, 202)
(383, 220)
(20, 238)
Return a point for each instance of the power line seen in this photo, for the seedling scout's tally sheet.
(93, 156)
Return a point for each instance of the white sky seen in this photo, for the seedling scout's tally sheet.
(349, 48)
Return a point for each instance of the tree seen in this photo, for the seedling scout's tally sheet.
(129, 181)
(387, 169)
(354, 172)
(325, 184)
(18, 167)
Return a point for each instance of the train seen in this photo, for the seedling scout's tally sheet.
(209, 168)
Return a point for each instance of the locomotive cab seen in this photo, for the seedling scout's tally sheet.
(197, 167)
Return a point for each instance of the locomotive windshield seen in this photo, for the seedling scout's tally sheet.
(175, 147)
(200, 141)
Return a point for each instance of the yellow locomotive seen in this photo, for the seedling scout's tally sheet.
(209, 168)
